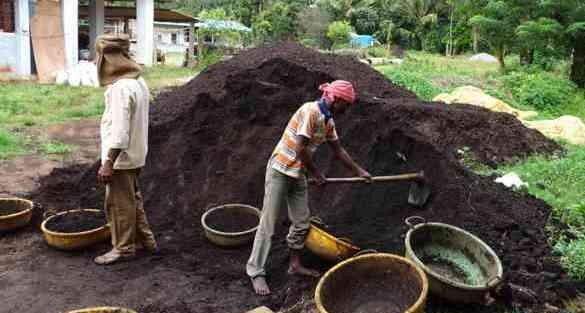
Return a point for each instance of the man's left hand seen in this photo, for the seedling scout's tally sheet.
(365, 174)
(105, 173)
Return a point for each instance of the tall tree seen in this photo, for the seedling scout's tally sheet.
(571, 15)
(422, 14)
(342, 9)
(313, 23)
(496, 25)
(364, 20)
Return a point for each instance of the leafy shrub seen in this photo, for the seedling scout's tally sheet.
(378, 52)
(209, 59)
(542, 90)
(574, 216)
(573, 257)
(338, 33)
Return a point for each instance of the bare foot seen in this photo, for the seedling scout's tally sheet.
(260, 285)
(301, 270)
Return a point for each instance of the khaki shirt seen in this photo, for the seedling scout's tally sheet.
(125, 123)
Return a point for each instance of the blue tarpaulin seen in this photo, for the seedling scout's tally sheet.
(223, 25)
(362, 41)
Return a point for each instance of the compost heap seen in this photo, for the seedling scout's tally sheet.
(210, 140)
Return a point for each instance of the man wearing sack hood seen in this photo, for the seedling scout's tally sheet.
(124, 144)
(286, 178)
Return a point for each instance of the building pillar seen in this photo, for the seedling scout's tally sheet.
(71, 30)
(22, 31)
(96, 23)
(191, 50)
(145, 31)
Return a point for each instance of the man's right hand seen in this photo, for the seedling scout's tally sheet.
(320, 179)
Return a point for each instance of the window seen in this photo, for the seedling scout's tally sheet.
(174, 38)
(7, 16)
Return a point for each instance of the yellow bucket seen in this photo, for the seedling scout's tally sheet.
(103, 309)
(14, 221)
(329, 247)
(73, 241)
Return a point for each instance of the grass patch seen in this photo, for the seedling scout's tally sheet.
(428, 75)
(28, 104)
(559, 180)
(55, 147)
(163, 76)
(549, 93)
(10, 145)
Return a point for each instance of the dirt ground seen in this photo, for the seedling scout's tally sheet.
(20, 175)
(209, 142)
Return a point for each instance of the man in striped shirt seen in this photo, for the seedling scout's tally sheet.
(286, 177)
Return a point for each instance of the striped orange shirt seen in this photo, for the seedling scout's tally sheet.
(309, 122)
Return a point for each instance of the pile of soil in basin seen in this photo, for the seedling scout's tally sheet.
(77, 221)
(8, 207)
(230, 221)
(211, 138)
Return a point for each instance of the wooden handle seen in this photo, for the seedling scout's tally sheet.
(411, 176)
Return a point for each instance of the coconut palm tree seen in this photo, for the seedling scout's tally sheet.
(421, 14)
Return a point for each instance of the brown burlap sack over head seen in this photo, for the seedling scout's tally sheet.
(113, 59)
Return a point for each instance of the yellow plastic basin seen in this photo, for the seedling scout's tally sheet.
(19, 219)
(230, 239)
(74, 241)
(378, 282)
(327, 246)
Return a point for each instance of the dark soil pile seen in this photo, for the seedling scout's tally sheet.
(210, 141)
(78, 221)
(231, 222)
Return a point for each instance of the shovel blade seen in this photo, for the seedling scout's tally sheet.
(419, 193)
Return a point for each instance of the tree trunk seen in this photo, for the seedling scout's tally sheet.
(475, 40)
(527, 57)
(500, 54)
(578, 67)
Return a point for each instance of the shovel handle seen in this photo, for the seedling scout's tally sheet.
(411, 176)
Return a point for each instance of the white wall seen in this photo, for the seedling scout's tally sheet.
(8, 50)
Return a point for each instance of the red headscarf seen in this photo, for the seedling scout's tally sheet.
(340, 89)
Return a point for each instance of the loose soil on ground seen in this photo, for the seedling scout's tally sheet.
(209, 143)
(78, 221)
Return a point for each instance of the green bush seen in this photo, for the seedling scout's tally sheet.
(574, 216)
(208, 59)
(541, 90)
(573, 257)
(338, 33)
(378, 52)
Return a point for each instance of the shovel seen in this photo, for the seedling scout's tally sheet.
(417, 195)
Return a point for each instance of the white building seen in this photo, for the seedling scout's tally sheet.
(171, 37)
(63, 29)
